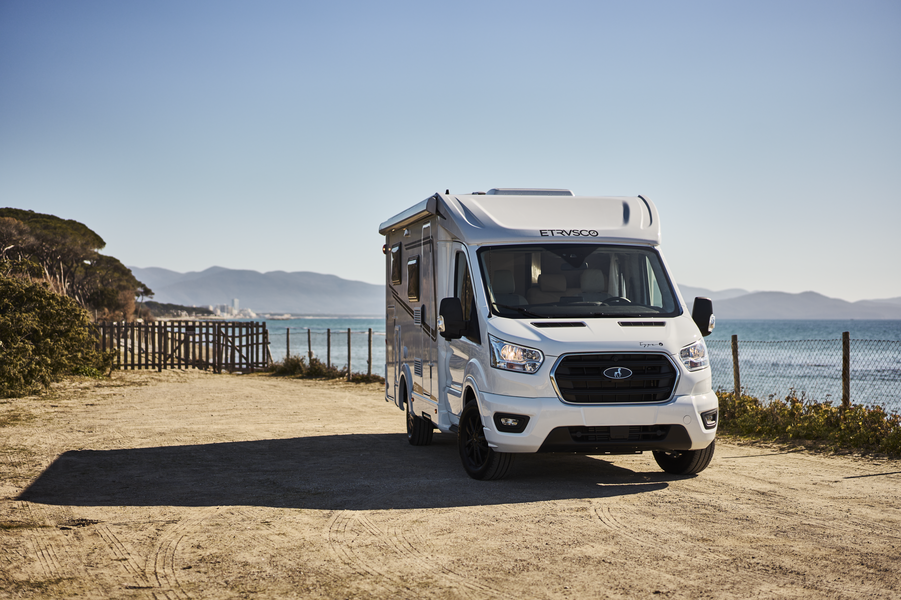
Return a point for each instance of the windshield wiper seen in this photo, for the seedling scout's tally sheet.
(520, 310)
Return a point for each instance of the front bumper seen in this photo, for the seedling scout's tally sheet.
(554, 426)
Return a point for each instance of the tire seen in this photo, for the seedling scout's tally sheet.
(686, 462)
(479, 460)
(419, 430)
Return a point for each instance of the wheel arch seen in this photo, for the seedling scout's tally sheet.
(403, 384)
(470, 392)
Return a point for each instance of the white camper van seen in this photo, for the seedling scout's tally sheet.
(539, 321)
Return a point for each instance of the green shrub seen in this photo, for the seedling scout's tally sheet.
(86, 371)
(43, 337)
(296, 366)
(859, 428)
(290, 366)
(319, 370)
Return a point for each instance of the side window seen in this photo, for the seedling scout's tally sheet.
(413, 279)
(463, 285)
(396, 269)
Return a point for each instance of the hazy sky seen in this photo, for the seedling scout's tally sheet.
(278, 135)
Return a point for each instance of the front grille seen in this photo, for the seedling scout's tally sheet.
(580, 378)
(625, 433)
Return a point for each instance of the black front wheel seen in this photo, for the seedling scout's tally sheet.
(479, 460)
(686, 462)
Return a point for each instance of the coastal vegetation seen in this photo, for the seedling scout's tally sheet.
(53, 280)
(65, 254)
(166, 310)
(44, 336)
(798, 420)
(299, 367)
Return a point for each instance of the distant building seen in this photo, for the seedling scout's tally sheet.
(233, 310)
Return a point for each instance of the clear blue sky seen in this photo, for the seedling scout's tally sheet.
(278, 135)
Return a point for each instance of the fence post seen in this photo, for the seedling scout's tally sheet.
(846, 370)
(328, 348)
(369, 362)
(348, 353)
(735, 372)
(309, 345)
(287, 342)
(217, 349)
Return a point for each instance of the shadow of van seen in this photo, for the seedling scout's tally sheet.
(337, 472)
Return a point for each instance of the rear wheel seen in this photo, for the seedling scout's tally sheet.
(685, 462)
(479, 460)
(419, 430)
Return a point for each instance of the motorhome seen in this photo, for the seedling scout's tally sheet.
(534, 320)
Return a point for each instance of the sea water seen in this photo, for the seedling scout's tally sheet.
(292, 335)
(765, 331)
(805, 357)
(809, 361)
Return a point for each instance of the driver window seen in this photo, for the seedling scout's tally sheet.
(463, 285)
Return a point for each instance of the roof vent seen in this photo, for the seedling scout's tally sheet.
(527, 192)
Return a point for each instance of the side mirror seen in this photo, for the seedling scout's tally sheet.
(702, 315)
(450, 319)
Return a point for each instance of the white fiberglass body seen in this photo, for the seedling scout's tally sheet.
(546, 322)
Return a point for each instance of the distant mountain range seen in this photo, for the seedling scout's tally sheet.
(306, 293)
(741, 304)
(301, 293)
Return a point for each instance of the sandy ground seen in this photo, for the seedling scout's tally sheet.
(194, 485)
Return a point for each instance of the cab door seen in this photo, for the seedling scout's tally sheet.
(462, 350)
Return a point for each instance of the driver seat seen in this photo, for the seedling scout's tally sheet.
(592, 282)
(505, 288)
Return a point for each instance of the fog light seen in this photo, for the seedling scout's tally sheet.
(709, 418)
(508, 423)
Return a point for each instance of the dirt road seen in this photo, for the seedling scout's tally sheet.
(194, 485)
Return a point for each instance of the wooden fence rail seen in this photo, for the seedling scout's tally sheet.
(218, 345)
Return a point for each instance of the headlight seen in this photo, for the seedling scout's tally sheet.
(695, 357)
(511, 357)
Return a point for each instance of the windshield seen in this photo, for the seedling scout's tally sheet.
(576, 281)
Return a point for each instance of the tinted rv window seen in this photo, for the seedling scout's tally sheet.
(577, 280)
(413, 279)
(396, 269)
(463, 286)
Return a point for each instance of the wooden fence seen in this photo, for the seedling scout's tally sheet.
(218, 345)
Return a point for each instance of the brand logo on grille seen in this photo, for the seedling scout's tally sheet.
(617, 373)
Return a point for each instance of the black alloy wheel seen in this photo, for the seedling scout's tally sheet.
(479, 460)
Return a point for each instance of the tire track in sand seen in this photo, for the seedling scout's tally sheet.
(57, 557)
(124, 557)
(341, 536)
(160, 569)
(404, 545)
(350, 533)
(677, 539)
